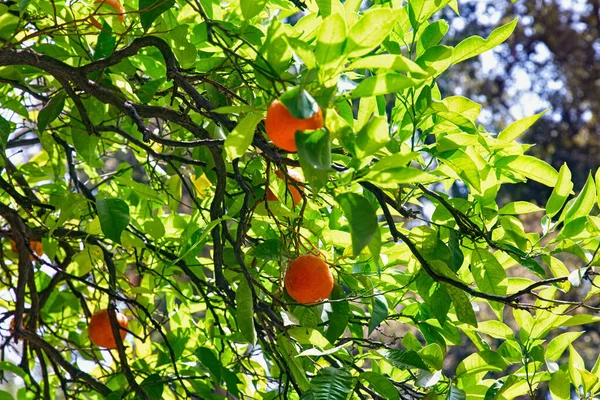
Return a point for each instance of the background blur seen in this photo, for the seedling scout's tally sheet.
(552, 60)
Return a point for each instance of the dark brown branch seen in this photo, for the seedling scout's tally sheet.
(54, 354)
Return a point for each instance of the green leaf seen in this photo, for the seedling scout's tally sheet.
(486, 360)
(5, 131)
(495, 329)
(373, 136)
(251, 8)
(330, 41)
(381, 384)
(23, 5)
(380, 311)
(299, 103)
(420, 10)
(331, 384)
(314, 152)
(462, 305)
(597, 177)
(431, 35)
(85, 144)
(114, 217)
(561, 191)
(370, 31)
(519, 207)
(559, 344)
(476, 45)
(150, 10)
(405, 359)
(388, 61)
(433, 355)
(339, 315)
(399, 175)
(456, 394)
(532, 168)
(208, 358)
(51, 111)
(489, 275)
(15, 369)
(576, 365)
(245, 311)
(362, 220)
(584, 202)
(154, 386)
(436, 59)
(515, 129)
(383, 84)
(238, 141)
(560, 386)
(106, 42)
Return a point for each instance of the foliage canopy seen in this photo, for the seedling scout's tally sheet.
(137, 155)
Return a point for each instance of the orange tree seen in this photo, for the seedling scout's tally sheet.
(136, 153)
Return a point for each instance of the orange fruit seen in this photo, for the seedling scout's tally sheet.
(35, 245)
(100, 331)
(292, 189)
(308, 279)
(115, 5)
(281, 126)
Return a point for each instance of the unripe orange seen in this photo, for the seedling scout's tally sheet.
(308, 279)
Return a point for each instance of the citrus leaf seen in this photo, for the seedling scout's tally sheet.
(245, 311)
(380, 311)
(559, 344)
(370, 31)
(462, 305)
(383, 84)
(519, 207)
(373, 136)
(152, 9)
(399, 175)
(299, 103)
(330, 40)
(381, 384)
(51, 111)
(5, 131)
(314, 151)
(515, 129)
(114, 217)
(362, 220)
(532, 168)
(476, 45)
(405, 359)
(331, 384)
(339, 315)
(456, 394)
(238, 141)
(560, 387)
(388, 61)
(584, 202)
(486, 360)
(251, 8)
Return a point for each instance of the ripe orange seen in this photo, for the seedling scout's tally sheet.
(281, 126)
(308, 279)
(115, 5)
(35, 245)
(100, 331)
(296, 195)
